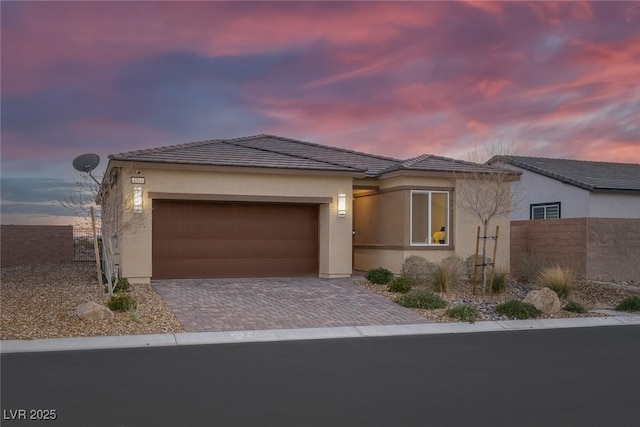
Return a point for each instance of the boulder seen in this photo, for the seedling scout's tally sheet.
(93, 311)
(545, 300)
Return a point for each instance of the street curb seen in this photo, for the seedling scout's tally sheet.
(203, 338)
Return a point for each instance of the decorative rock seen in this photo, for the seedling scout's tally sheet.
(93, 311)
(544, 299)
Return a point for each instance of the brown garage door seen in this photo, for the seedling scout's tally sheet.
(207, 239)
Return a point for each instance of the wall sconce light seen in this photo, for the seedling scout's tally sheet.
(342, 205)
(137, 199)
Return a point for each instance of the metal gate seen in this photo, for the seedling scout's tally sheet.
(83, 243)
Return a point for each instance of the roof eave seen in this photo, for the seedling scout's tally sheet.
(182, 165)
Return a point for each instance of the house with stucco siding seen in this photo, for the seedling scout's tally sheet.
(271, 206)
(577, 213)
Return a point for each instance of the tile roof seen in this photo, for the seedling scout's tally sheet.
(227, 153)
(431, 163)
(591, 176)
(270, 151)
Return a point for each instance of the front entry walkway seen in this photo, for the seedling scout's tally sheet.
(213, 305)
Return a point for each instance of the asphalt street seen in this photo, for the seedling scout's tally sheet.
(559, 377)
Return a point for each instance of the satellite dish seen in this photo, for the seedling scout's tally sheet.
(86, 162)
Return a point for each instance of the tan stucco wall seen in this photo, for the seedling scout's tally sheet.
(334, 233)
(383, 230)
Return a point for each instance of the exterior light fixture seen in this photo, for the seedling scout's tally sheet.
(137, 199)
(342, 205)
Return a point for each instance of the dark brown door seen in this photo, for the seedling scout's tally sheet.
(207, 239)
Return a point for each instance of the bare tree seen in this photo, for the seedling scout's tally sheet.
(117, 216)
(82, 197)
(486, 193)
(113, 203)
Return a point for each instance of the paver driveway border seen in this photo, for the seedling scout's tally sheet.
(216, 305)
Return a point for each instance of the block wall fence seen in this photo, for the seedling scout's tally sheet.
(35, 244)
(596, 248)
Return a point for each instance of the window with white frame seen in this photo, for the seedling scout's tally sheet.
(429, 218)
(545, 210)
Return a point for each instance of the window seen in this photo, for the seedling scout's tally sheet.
(545, 210)
(429, 215)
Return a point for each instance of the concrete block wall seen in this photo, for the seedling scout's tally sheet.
(596, 248)
(34, 244)
(613, 249)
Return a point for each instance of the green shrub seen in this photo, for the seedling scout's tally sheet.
(464, 313)
(123, 302)
(629, 304)
(421, 298)
(500, 278)
(469, 266)
(447, 274)
(575, 307)
(516, 309)
(122, 285)
(558, 279)
(399, 284)
(416, 269)
(380, 276)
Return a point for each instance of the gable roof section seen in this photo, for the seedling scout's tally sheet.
(220, 152)
(268, 151)
(591, 176)
(431, 163)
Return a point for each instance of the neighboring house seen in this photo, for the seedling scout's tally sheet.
(272, 206)
(591, 213)
(562, 188)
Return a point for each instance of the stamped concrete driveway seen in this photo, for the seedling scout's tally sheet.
(203, 305)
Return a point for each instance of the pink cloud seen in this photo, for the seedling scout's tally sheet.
(99, 35)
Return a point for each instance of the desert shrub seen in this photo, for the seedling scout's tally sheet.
(516, 309)
(399, 284)
(380, 276)
(558, 279)
(469, 265)
(122, 285)
(575, 307)
(416, 269)
(134, 314)
(123, 302)
(530, 266)
(421, 298)
(629, 304)
(464, 313)
(448, 274)
(500, 279)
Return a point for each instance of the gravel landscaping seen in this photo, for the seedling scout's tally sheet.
(39, 301)
(591, 294)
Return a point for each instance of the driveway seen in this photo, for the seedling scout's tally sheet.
(277, 303)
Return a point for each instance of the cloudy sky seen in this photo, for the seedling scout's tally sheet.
(397, 79)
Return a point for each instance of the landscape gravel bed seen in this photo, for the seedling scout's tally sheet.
(39, 301)
(592, 295)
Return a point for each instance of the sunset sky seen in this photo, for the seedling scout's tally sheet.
(390, 78)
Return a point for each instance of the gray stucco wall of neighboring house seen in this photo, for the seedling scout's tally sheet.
(608, 205)
(575, 202)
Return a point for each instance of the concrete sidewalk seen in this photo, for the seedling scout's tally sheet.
(202, 338)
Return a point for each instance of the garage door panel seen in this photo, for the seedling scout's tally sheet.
(207, 239)
(236, 267)
(221, 248)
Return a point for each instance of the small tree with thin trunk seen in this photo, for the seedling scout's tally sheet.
(113, 203)
(116, 201)
(486, 193)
